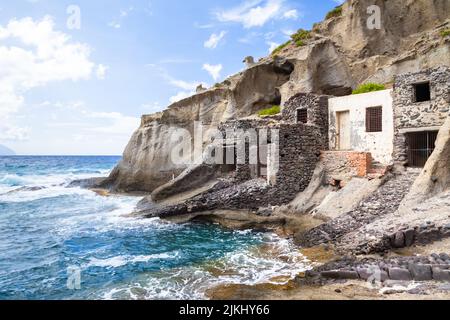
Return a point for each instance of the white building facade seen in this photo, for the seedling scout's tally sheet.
(363, 123)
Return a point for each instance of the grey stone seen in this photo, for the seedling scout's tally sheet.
(330, 274)
(399, 240)
(365, 274)
(409, 237)
(421, 272)
(374, 274)
(441, 275)
(444, 256)
(399, 274)
(435, 256)
(344, 274)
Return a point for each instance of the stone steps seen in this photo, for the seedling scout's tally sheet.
(385, 200)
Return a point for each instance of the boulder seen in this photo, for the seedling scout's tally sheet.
(399, 274)
(440, 274)
(420, 272)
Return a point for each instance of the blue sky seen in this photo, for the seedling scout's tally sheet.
(81, 91)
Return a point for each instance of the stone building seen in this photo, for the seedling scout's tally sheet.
(294, 142)
(421, 105)
(352, 136)
(363, 123)
(394, 126)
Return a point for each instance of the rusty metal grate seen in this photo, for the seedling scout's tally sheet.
(420, 147)
(302, 116)
(374, 119)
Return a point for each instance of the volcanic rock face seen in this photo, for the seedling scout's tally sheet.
(341, 53)
(147, 162)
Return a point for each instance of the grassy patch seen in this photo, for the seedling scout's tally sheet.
(279, 48)
(300, 37)
(445, 33)
(336, 12)
(369, 87)
(270, 111)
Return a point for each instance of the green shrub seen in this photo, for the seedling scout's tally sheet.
(369, 87)
(336, 12)
(316, 26)
(445, 33)
(300, 37)
(279, 48)
(270, 111)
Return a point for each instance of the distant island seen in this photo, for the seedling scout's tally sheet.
(5, 151)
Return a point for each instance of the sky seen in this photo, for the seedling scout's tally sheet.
(75, 76)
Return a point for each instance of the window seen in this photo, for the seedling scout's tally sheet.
(422, 92)
(302, 116)
(374, 119)
(420, 147)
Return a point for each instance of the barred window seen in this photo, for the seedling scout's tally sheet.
(374, 119)
(302, 116)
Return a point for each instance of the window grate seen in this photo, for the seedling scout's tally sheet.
(420, 147)
(302, 116)
(374, 119)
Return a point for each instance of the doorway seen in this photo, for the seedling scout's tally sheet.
(343, 128)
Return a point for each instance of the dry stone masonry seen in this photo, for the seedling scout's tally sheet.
(411, 116)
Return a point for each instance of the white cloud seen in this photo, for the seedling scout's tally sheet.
(203, 26)
(287, 32)
(256, 13)
(250, 38)
(116, 123)
(187, 88)
(183, 84)
(114, 25)
(152, 107)
(214, 40)
(180, 96)
(40, 55)
(272, 46)
(14, 133)
(101, 71)
(123, 14)
(339, 2)
(291, 14)
(213, 70)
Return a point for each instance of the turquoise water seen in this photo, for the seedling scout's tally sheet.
(69, 243)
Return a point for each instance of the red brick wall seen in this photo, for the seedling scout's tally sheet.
(344, 165)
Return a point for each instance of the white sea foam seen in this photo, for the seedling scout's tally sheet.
(248, 267)
(120, 261)
(25, 195)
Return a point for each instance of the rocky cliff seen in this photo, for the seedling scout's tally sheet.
(340, 53)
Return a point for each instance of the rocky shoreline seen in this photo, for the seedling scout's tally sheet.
(336, 264)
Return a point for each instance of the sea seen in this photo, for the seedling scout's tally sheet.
(64, 243)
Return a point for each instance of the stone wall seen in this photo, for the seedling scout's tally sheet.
(410, 116)
(317, 106)
(299, 153)
(291, 164)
